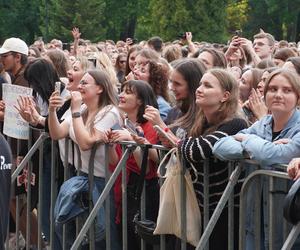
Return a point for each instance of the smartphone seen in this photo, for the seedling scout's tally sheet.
(238, 33)
(66, 46)
(116, 127)
(131, 128)
(57, 87)
(93, 60)
(165, 134)
(181, 36)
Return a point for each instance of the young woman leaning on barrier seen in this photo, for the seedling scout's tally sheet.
(275, 139)
(37, 115)
(136, 95)
(217, 101)
(88, 123)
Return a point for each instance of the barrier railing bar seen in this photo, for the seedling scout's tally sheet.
(244, 189)
(288, 244)
(28, 200)
(230, 212)
(100, 201)
(206, 196)
(107, 203)
(221, 204)
(182, 203)
(28, 156)
(53, 194)
(41, 187)
(124, 202)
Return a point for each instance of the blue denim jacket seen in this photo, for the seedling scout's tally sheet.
(163, 107)
(259, 145)
(69, 204)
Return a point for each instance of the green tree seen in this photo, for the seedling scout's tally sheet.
(280, 18)
(19, 18)
(63, 15)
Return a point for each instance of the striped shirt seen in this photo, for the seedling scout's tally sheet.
(195, 150)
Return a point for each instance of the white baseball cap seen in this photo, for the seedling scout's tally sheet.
(15, 45)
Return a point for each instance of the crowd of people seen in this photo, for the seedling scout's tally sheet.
(214, 101)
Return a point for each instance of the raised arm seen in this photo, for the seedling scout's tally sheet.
(57, 130)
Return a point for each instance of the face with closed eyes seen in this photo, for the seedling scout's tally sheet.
(141, 69)
(74, 75)
(207, 59)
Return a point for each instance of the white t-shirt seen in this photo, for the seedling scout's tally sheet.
(104, 120)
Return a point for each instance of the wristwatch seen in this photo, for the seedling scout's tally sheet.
(76, 114)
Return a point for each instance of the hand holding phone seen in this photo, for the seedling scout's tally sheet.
(131, 128)
(165, 134)
(57, 87)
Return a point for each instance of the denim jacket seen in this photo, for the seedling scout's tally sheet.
(258, 144)
(69, 203)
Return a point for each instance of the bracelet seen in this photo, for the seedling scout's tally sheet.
(166, 129)
(76, 115)
(40, 120)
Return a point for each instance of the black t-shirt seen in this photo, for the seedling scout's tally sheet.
(5, 183)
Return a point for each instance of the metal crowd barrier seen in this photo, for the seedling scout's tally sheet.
(208, 222)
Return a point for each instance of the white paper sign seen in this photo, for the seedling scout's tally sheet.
(14, 125)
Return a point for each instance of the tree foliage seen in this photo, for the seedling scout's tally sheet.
(208, 20)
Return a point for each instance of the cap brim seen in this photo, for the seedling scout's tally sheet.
(3, 51)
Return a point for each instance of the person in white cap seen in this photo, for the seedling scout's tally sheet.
(13, 54)
(14, 57)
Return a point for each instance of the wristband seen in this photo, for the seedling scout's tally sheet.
(76, 115)
(166, 129)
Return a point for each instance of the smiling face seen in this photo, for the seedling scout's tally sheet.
(131, 60)
(141, 69)
(74, 75)
(210, 95)
(281, 96)
(89, 89)
(128, 101)
(179, 86)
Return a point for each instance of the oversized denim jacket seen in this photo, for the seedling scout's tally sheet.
(258, 144)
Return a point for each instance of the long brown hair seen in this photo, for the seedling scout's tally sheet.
(192, 71)
(228, 109)
(108, 97)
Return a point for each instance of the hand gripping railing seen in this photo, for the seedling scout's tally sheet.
(129, 147)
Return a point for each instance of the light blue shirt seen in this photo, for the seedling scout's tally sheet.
(258, 143)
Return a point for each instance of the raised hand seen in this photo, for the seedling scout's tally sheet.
(55, 101)
(257, 105)
(153, 116)
(76, 34)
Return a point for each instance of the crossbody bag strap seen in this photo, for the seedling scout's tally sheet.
(141, 180)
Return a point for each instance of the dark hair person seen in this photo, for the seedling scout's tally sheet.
(133, 100)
